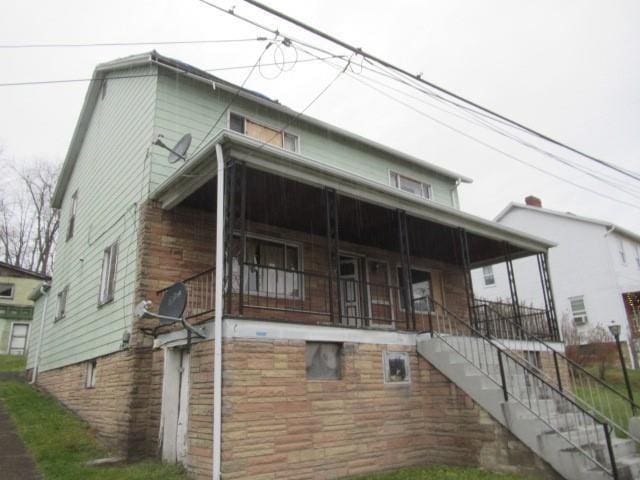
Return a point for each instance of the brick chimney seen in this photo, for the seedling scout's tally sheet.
(533, 201)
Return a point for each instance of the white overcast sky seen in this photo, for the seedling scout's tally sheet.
(569, 68)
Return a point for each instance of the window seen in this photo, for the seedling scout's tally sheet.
(578, 310)
(487, 274)
(72, 215)
(410, 185)
(273, 268)
(108, 276)
(637, 255)
(6, 291)
(272, 136)
(90, 377)
(396, 367)
(323, 361)
(623, 256)
(62, 303)
(421, 287)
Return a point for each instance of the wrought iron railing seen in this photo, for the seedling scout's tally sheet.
(200, 294)
(499, 318)
(591, 392)
(525, 384)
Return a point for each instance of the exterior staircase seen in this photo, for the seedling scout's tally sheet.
(574, 439)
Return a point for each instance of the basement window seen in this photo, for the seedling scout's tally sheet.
(90, 377)
(272, 136)
(323, 361)
(396, 368)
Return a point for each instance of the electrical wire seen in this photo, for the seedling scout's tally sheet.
(124, 44)
(210, 70)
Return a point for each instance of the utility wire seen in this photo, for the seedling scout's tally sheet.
(123, 44)
(360, 51)
(219, 69)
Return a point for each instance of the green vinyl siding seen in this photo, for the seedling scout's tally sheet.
(188, 106)
(111, 178)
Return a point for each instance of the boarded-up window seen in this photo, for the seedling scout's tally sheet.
(264, 134)
(270, 135)
(323, 361)
(396, 367)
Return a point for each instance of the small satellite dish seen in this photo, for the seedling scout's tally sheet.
(173, 303)
(179, 151)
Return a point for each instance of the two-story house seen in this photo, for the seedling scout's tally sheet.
(595, 269)
(329, 326)
(16, 309)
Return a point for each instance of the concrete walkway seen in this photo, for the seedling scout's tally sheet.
(16, 462)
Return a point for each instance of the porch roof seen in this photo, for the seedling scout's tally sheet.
(200, 169)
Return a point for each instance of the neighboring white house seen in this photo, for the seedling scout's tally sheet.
(594, 269)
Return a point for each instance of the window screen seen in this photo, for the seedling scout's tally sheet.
(396, 367)
(323, 361)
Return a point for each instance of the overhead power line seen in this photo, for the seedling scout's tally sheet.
(418, 78)
(128, 44)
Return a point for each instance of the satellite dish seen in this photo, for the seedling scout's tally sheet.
(173, 303)
(179, 151)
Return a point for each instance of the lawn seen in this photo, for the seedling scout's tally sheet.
(61, 443)
(12, 363)
(438, 472)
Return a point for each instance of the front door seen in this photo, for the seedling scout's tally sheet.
(350, 291)
(175, 405)
(18, 342)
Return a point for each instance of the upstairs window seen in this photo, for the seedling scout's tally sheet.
(578, 310)
(108, 276)
(61, 312)
(489, 278)
(272, 136)
(411, 185)
(6, 291)
(623, 256)
(72, 215)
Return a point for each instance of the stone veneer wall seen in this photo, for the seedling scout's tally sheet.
(279, 425)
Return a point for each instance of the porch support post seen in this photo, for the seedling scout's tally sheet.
(512, 284)
(405, 255)
(465, 258)
(243, 233)
(217, 327)
(547, 294)
(333, 252)
(229, 215)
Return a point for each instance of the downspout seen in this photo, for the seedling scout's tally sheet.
(217, 328)
(44, 289)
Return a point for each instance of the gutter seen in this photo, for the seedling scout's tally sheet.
(217, 327)
(44, 290)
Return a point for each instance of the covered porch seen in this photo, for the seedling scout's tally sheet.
(315, 247)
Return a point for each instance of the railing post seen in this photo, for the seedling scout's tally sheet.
(333, 251)
(243, 233)
(403, 239)
(612, 457)
(503, 379)
(229, 209)
(512, 284)
(463, 240)
(558, 377)
(547, 295)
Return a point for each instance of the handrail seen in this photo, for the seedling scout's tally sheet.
(563, 356)
(606, 411)
(535, 374)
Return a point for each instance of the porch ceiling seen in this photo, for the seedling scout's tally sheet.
(366, 207)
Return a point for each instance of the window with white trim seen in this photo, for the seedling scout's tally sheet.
(72, 215)
(578, 310)
(488, 276)
(279, 138)
(396, 367)
(272, 268)
(61, 311)
(108, 276)
(411, 185)
(623, 255)
(6, 291)
(637, 249)
(323, 360)
(421, 288)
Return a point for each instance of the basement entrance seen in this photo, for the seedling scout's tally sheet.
(175, 405)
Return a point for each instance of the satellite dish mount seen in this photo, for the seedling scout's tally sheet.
(171, 310)
(179, 151)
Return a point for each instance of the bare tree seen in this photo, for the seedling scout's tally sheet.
(28, 223)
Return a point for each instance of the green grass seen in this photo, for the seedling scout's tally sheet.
(61, 443)
(438, 472)
(12, 363)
